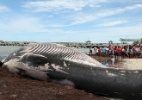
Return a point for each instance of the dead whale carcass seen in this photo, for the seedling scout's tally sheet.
(46, 61)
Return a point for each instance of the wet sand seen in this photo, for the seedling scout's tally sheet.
(126, 63)
(15, 87)
(107, 59)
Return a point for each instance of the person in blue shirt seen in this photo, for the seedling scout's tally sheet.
(103, 50)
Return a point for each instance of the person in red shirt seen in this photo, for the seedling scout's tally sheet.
(116, 52)
(141, 51)
(99, 51)
(134, 52)
(119, 51)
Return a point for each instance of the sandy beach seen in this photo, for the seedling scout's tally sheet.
(132, 63)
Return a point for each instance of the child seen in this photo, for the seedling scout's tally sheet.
(112, 60)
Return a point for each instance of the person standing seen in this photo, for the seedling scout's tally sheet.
(107, 51)
(119, 51)
(95, 50)
(141, 51)
(112, 60)
(90, 50)
(123, 52)
(137, 48)
(134, 52)
(103, 50)
(99, 51)
(129, 51)
(110, 50)
(116, 52)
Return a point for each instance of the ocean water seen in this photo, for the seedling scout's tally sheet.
(6, 50)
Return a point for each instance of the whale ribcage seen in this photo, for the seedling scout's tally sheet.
(61, 52)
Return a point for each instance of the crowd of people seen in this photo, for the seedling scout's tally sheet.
(129, 51)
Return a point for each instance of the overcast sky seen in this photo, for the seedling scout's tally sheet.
(70, 20)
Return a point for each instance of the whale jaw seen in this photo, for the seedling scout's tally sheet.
(18, 67)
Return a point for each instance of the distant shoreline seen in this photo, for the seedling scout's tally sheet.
(68, 44)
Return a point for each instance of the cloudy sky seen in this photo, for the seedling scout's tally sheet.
(70, 20)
